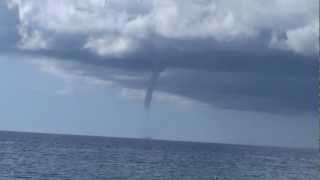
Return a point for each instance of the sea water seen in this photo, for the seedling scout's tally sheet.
(66, 157)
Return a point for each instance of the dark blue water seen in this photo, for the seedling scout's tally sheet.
(39, 156)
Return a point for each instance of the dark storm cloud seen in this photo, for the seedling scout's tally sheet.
(251, 63)
(275, 83)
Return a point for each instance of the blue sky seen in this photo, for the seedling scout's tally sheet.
(227, 73)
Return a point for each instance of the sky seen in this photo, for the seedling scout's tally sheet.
(237, 71)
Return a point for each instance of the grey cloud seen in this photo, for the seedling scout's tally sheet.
(230, 54)
(120, 27)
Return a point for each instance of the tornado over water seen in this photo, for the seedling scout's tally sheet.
(151, 87)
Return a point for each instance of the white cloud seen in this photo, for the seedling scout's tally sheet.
(197, 19)
(121, 26)
(53, 68)
(110, 47)
(68, 71)
(304, 39)
(32, 40)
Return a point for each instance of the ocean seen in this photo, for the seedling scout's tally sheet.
(66, 157)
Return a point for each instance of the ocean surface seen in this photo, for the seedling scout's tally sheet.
(63, 157)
